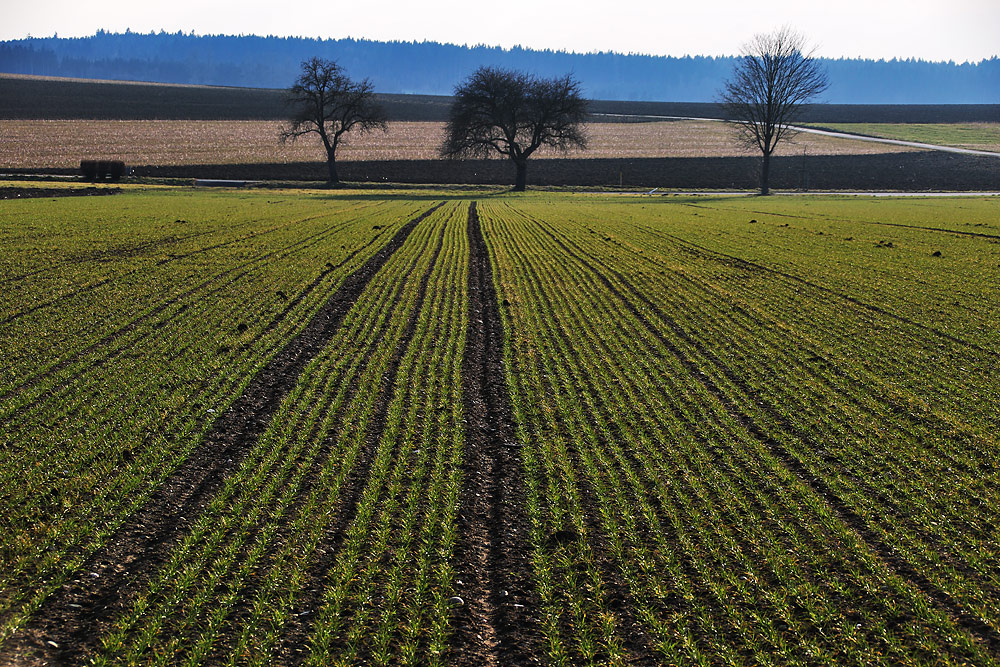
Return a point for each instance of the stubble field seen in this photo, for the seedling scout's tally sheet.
(63, 143)
(445, 427)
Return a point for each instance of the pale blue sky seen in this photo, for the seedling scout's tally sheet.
(931, 29)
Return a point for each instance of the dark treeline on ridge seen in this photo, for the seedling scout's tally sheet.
(433, 69)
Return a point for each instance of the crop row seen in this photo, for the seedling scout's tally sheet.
(743, 432)
(330, 543)
(707, 483)
(115, 379)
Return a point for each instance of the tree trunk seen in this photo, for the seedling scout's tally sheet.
(765, 174)
(331, 163)
(522, 175)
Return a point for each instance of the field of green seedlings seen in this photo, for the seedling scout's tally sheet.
(442, 427)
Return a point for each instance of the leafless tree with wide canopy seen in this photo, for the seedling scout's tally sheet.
(514, 114)
(773, 80)
(326, 102)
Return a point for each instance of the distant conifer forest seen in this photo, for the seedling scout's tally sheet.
(434, 68)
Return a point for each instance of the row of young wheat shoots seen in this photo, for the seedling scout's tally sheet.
(77, 325)
(920, 468)
(258, 635)
(92, 470)
(282, 469)
(583, 424)
(949, 296)
(640, 560)
(938, 378)
(413, 614)
(246, 560)
(385, 601)
(92, 247)
(175, 316)
(850, 382)
(620, 463)
(93, 403)
(727, 286)
(960, 496)
(970, 590)
(904, 278)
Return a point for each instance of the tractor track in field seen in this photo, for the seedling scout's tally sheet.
(136, 322)
(754, 266)
(296, 633)
(172, 258)
(67, 626)
(499, 622)
(888, 555)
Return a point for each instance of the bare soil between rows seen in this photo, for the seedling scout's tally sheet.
(66, 629)
(498, 623)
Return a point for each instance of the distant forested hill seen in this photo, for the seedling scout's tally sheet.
(433, 69)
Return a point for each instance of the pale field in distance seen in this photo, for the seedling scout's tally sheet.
(63, 143)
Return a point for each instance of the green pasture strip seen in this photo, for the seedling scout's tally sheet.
(235, 583)
(91, 441)
(911, 474)
(980, 136)
(735, 517)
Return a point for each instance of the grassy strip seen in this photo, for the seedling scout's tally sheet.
(980, 136)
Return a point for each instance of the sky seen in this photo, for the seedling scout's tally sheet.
(959, 30)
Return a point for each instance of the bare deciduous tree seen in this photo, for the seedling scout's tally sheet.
(514, 114)
(326, 102)
(774, 78)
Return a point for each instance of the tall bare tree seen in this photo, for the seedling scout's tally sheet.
(514, 114)
(772, 81)
(326, 102)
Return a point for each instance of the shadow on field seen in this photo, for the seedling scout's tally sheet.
(907, 171)
(917, 170)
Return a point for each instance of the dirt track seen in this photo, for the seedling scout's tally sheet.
(498, 625)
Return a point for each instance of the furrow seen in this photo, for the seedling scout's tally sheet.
(69, 616)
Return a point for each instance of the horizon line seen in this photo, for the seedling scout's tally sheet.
(466, 45)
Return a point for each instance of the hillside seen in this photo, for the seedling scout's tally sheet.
(34, 97)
